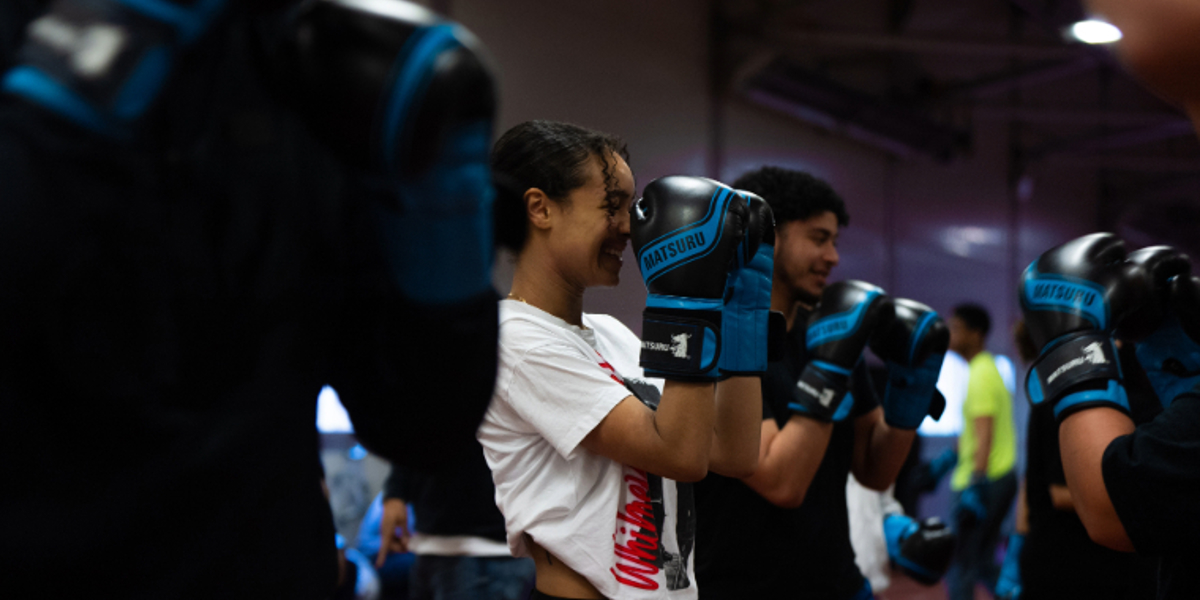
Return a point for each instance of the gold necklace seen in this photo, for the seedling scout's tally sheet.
(512, 296)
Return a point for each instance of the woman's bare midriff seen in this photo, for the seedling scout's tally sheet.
(557, 579)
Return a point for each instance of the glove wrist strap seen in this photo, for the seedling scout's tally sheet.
(1085, 359)
(681, 338)
(821, 388)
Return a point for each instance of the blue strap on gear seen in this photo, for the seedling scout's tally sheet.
(1171, 360)
(1085, 362)
(102, 63)
(1008, 586)
(910, 391)
(681, 337)
(746, 315)
(822, 391)
(438, 236)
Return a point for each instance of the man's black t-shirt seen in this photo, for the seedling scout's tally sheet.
(1153, 479)
(747, 547)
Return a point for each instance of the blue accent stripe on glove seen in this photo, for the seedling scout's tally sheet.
(841, 325)
(1063, 293)
(688, 243)
(412, 71)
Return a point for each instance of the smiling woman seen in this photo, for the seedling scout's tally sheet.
(589, 455)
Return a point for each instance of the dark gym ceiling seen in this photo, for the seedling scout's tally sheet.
(915, 78)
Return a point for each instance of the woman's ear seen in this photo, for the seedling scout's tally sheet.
(537, 207)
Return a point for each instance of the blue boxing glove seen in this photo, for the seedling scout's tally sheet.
(1008, 586)
(102, 64)
(838, 330)
(407, 99)
(913, 347)
(922, 549)
(972, 503)
(686, 232)
(749, 327)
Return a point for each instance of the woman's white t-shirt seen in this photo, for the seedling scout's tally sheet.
(631, 534)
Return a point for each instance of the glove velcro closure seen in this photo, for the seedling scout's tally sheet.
(102, 64)
(681, 343)
(1078, 371)
(820, 390)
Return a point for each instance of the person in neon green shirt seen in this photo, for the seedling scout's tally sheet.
(983, 481)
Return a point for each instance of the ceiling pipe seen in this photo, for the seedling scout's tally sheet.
(785, 41)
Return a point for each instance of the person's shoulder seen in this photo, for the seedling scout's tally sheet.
(608, 326)
(523, 334)
(984, 363)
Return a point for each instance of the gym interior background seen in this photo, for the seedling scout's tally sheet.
(966, 136)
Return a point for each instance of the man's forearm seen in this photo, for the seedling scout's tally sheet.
(983, 449)
(1083, 438)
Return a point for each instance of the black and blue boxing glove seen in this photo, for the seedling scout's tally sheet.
(685, 233)
(913, 347)
(749, 328)
(922, 549)
(838, 330)
(1170, 354)
(1075, 297)
(102, 64)
(408, 100)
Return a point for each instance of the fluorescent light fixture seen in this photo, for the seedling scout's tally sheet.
(1095, 31)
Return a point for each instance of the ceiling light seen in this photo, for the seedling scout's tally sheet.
(1094, 31)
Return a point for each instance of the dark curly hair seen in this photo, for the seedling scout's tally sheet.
(793, 195)
(975, 317)
(552, 157)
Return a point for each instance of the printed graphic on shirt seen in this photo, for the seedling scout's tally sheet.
(643, 548)
(645, 557)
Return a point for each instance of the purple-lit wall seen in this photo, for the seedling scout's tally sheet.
(937, 233)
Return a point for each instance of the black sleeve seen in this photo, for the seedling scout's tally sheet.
(414, 378)
(863, 388)
(394, 486)
(1153, 478)
(778, 390)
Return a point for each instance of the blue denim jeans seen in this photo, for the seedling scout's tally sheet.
(470, 578)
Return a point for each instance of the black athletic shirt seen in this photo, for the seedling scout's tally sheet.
(1153, 478)
(1059, 560)
(457, 501)
(747, 547)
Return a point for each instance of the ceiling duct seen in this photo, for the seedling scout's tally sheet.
(789, 88)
